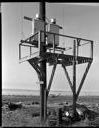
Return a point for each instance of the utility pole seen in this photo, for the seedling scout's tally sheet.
(43, 111)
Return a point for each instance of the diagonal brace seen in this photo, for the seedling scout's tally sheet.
(37, 68)
(68, 78)
(83, 79)
(51, 78)
(33, 65)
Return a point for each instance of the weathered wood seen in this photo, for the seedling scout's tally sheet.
(78, 44)
(68, 78)
(36, 68)
(51, 79)
(74, 78)
(83, 79)
(43, 105)
(19, 51)
(28, 18)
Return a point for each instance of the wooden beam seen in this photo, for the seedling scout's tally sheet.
(74, 79)
(33, 65)
(51, 79)
(68, 78)
(78, 44)
(19, 51)
(92, 49)
(83, 79)
(37, 68)
(33, 43)
(28, 18)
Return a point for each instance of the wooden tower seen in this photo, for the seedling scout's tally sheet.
(48, 50)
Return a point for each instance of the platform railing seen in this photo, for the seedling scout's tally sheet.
(31, 42)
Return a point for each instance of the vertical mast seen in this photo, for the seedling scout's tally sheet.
(74, 78)
(43, 66)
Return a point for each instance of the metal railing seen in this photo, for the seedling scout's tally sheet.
(30, 42)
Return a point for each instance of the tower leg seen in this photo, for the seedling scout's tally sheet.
(74, 80)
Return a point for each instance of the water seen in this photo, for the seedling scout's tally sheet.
(37, 92)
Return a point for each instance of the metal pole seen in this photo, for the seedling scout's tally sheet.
(43, 110)
(74, 78)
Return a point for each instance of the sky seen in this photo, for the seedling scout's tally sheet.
(76, 20)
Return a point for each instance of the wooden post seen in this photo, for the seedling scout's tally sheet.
(43, 104)
(19, 51)
(74, 78)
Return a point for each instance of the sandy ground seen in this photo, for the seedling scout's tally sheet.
(24, 117)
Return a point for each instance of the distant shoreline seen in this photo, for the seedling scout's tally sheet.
(37, 92)
(94, 96)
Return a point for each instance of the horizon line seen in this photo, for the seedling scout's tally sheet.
(39, 90)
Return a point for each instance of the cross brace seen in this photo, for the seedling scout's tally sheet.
(83, 79)
(51, 79)
(41, 73)
(67, 76)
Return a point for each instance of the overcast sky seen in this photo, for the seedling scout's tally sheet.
(77, 20)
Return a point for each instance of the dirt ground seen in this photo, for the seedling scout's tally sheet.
(27, 115)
